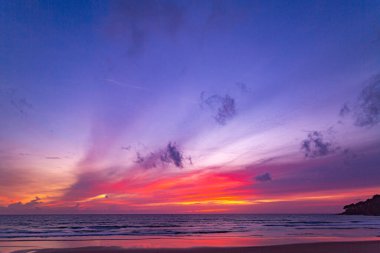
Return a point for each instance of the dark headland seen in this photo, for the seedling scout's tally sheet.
(368, 207)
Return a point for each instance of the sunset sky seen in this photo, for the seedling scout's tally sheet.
(188, 106)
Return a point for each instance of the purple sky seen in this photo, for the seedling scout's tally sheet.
(143, 106)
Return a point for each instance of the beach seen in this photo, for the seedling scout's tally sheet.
(324, 247)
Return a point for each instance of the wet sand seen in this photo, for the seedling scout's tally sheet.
(327, 247)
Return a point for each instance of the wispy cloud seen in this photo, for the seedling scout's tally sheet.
(17, 101)
(243, 87)
(222, 107)
(53, 157)
(345, 110)
(366, 109)
(126, 148)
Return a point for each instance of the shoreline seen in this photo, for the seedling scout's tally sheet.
(317, 247)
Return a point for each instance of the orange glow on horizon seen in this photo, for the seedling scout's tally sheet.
(188, 192)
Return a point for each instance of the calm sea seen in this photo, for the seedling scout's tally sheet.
(46, 226)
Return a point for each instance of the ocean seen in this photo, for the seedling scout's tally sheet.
(49, 226)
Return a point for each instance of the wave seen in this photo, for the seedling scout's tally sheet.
(185, 225)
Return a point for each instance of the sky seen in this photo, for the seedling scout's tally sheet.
(188, 106)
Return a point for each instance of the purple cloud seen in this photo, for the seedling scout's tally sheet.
(315, 145)
(368, 110)
(223, 107)
(264, 177)
(171, 154)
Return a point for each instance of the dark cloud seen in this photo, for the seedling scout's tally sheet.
(325, 173)
(171, 154)
(151, 160)
(368, 111)
(36, 206)
(19, 206)
(315, 145)
(345, 110)
(223, 107)
(264, 177)
(127, 148)
(366, 108)
(190, 160)
(139, 158)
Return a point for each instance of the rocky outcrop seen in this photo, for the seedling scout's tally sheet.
(368, 207)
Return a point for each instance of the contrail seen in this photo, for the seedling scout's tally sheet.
(144, 89)
(127, 85)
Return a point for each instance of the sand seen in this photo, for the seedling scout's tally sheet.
(327, 247)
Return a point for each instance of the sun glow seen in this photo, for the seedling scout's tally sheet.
(98, 197)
